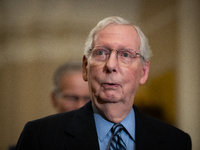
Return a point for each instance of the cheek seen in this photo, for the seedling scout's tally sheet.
(132, 79)
(67, 104)
(94, 71)
(63, 103)
(94, 77)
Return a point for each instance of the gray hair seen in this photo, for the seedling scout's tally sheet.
(62, 70)
(144, 47)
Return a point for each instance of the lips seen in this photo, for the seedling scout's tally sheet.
(110, 85)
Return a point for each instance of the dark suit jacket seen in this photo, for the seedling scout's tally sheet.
(76, 130)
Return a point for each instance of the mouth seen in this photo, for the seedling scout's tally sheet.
(110, 85)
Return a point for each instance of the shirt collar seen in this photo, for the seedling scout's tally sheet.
(129, 123)
(103, 126)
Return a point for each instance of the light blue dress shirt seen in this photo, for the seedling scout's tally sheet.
(104, 130)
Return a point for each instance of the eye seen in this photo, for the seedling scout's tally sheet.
(126, 54)
(69, 97)
(100, 52)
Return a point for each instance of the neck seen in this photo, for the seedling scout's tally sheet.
(113, 112)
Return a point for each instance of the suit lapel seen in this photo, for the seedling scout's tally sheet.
(81, 130)
(147, 137)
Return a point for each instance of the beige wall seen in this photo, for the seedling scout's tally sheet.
(37, 36)
(188, 71)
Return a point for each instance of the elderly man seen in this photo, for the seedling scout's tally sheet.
(115, 63)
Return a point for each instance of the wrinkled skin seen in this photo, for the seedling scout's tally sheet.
(113, 87)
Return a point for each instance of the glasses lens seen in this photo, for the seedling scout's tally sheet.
(100, 54)
(126, 56)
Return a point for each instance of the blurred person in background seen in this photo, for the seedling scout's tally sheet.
(70, 91)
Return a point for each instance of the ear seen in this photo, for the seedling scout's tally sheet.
(84, 68)
(145, 72)
(53, 99)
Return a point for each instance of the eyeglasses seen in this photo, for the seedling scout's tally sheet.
(125, 56)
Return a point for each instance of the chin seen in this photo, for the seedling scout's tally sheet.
(107, 99)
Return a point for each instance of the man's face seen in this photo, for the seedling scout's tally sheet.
(74, 93)
(110, 83)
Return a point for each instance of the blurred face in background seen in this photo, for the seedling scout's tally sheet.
(73, 93)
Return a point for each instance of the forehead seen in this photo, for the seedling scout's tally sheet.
(125, 35)
(72, 79)
(71, 74)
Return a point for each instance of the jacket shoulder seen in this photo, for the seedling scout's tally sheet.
(148, 127)
(49, 132)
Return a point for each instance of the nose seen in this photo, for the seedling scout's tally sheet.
(112, 62)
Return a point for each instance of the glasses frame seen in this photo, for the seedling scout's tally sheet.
(138, 54)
